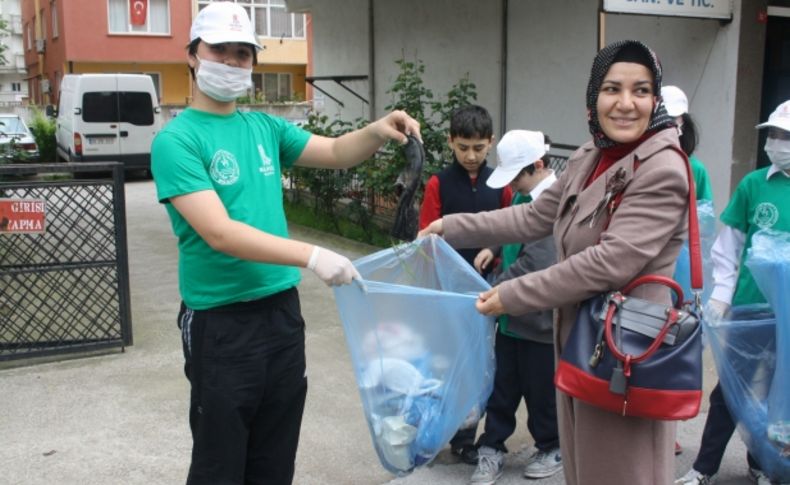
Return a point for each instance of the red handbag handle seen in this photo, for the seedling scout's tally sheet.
(695, 246)
(628, 359)
(658, 280)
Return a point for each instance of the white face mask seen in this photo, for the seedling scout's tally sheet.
(778, 152)
(222, 82)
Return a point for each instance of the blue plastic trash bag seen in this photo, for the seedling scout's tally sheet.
(707, 234)
(769, 261)
(744, 349)
(422, 354)
(751, 349)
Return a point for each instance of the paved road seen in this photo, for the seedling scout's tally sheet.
(120, 418)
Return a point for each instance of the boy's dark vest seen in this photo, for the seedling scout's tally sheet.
(457, 195)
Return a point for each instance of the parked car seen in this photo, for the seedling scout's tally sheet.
(107, 117)
(16, 141)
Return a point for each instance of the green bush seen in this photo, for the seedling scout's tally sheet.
(354, 219)
(43, 129)
(411, 95)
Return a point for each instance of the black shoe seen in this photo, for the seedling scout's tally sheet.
(468, 454)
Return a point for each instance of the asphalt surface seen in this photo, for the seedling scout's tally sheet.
(121, 417)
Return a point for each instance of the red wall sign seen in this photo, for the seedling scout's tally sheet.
(22, 216)
(138, 11)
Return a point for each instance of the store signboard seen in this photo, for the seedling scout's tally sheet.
(714, 9)
(22, 216)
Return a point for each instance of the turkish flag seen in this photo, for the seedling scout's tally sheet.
(138, 11)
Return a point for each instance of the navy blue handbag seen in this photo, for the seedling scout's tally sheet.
(636, 357)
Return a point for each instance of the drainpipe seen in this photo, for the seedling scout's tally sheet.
(371, 60)
(601, 26)
(503, 87)
(39, 35)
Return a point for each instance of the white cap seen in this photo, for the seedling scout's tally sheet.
(222, 22)
(517, 149)
(675, 100)
(780, 118)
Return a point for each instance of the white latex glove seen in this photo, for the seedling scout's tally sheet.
(332, 268)
(715, 310)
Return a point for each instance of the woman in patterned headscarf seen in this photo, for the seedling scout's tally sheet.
(632, 153)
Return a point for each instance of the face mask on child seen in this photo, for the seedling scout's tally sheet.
(778, 152)
(222, 82)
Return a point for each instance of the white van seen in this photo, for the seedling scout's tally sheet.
(107, 117)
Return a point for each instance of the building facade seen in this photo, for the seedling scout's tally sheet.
(13, 85)
(530, 61)
(150, 37)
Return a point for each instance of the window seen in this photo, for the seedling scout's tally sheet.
(27, 40)
(136, 108)
(275, 86)
(270, 18)
(16, 87)
(100, 107)
(112, 107)
(53, 10)
(157, 17)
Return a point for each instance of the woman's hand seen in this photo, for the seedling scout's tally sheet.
(434, 227)
(488, 303)
(483, 259)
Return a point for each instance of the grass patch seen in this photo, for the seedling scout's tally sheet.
(304, 215)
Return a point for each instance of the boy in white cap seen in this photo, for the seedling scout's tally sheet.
(217, 171)
(677, 105)
(524, 346)
(761, 201)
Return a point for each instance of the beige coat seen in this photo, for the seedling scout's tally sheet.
(644, 237)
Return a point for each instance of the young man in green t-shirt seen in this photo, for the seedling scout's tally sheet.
(218, 172)
(761, 201)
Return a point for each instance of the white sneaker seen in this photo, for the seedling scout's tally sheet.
(543, 464)
(489, 466)
(761, 478)
(693, 477)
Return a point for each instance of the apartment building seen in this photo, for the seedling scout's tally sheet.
(13, 85)
(150, 36)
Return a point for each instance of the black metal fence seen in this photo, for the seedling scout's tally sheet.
(558, 156)
(65, 289)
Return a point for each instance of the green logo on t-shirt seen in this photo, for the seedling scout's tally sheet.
(224, 168)
(765, 215)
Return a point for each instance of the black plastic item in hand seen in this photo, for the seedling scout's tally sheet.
(405, 226)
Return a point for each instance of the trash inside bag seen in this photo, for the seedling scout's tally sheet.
(751, 348)
(422, 355)
(707, 235)
(769, 262)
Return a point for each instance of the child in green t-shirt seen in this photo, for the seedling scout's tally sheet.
(761, 201)
(217, 171)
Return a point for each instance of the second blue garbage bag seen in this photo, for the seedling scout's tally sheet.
(751, 348)
(422, 354)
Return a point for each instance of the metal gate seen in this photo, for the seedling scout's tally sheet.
(66, 289)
